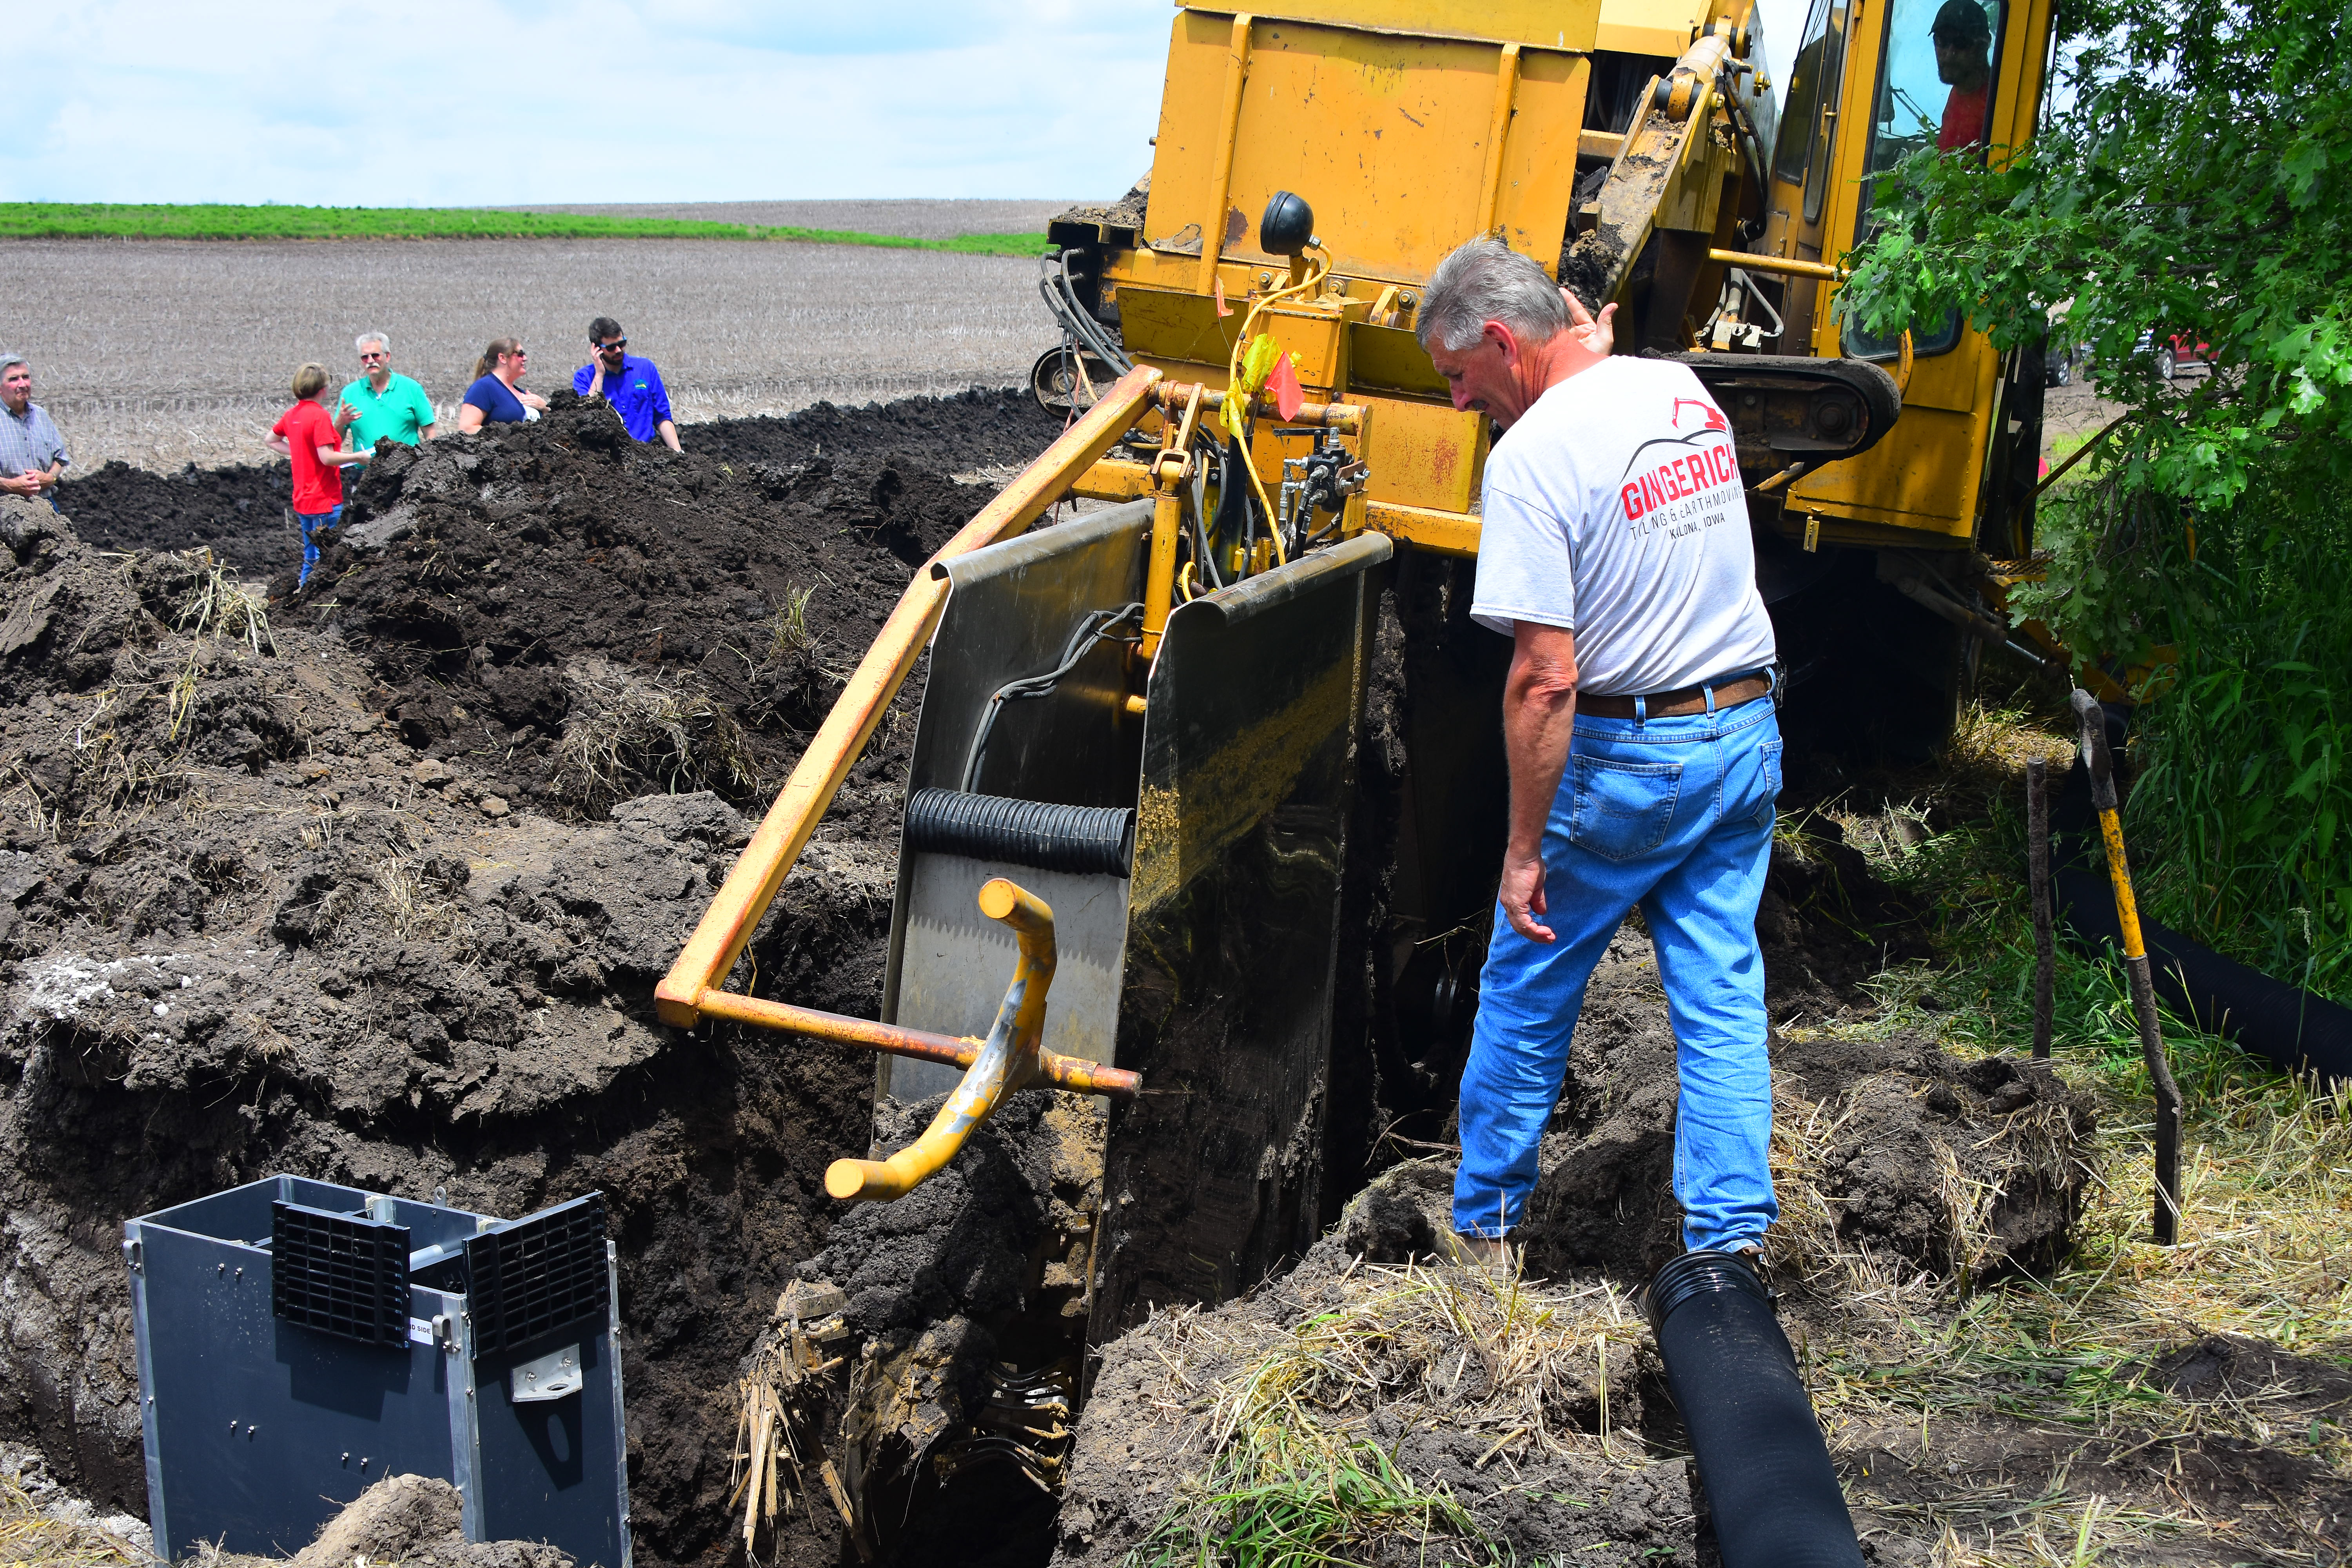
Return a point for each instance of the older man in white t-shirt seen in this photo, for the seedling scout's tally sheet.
(1644, 755)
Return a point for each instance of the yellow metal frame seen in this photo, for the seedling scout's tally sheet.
(692, 988)
(1500, 90)
(1010, 1061)
(1352, 101)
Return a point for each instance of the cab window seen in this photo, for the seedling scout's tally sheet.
(1804, 102)
(1935, 76)
(1805, 131)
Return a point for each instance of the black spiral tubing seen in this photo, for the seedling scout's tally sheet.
(1080, 838)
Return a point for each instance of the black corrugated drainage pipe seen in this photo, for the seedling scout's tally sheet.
(1773, 1496)
(2299, 1032)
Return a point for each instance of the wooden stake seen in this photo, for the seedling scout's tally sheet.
(848, 1515)
(759, 1469)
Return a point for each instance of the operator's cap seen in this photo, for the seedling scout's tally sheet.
(1963, 22)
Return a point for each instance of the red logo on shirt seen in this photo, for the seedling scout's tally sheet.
(1706, 462)
(1711, 417)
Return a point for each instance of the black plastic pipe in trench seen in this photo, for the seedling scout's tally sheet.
(1770, 1490)
(2294, 1029)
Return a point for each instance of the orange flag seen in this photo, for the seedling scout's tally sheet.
(1223, 309)
(1283, 382)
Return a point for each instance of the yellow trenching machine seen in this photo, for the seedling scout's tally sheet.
(1135, 772)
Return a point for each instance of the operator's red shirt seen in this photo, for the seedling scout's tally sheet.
(1964, 118)
(306, 428)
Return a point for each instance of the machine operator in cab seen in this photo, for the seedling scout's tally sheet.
(1963, 40)
(1637, 717)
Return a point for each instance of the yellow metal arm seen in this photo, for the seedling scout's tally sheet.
(1741, 259)
(718, 941)
(1009, 1061)
(1075, 1074)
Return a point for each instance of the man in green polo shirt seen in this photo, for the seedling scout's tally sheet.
(382, 403)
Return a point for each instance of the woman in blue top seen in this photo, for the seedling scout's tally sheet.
(497, 396)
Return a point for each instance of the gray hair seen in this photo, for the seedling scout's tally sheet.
(359, 343)
(9, 362)
(1485, 280)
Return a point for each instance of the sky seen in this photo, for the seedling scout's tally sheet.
(489, 102)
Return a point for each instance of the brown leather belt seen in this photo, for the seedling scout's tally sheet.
(1676, 704)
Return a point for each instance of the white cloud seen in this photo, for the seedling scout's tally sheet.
(432, 102)
(397, 102)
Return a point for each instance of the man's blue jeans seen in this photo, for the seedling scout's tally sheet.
(1675, 815)
(311, 522)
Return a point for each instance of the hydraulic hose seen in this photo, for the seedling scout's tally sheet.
(1770, 1490)
(1061, 299)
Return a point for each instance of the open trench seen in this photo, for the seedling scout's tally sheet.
(379, 897)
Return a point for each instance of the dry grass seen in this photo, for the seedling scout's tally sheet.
(112, 330)
(779, 1461)
(2038, 1144)
(788, 628)
(2266, 1191)
(631, 732)
(1297, 1471)
(219, 608)
(29, 1536)
(415, 907)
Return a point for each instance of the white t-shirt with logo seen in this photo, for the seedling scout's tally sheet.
(1614, 509)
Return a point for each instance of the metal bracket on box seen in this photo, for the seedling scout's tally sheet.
(555, 1376)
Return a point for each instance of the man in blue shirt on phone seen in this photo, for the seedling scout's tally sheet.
(632, 385)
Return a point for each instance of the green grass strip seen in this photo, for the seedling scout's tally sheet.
(97, 220)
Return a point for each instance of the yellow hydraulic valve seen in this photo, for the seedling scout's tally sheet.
(1009, 1061)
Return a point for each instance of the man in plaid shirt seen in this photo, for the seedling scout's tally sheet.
(32, 454)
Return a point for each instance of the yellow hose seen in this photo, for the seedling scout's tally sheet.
(1316, 272)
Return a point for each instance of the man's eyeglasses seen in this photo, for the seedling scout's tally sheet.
(615, 344)
(370, 359)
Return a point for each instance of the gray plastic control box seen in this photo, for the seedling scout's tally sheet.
(300, 1341)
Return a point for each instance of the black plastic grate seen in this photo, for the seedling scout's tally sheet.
(538, 1275)
(339, 1273)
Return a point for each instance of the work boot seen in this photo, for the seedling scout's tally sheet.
(1752, 1254)
(1493, 1254)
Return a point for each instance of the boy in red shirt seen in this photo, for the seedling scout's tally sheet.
(312, 439)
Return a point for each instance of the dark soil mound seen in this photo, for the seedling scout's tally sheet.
(982, 428)
(1423, 1393)
(415, 1521)
(236, 511)
(244, 927)
(685, 621)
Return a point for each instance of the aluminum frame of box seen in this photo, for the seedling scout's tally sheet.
(259, 1428)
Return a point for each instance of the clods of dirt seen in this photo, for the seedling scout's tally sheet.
(1945, 1169)
(986, 429)
(578, 619)
(1957, 1168)
(1444, 1412)
(238, 511)
(982, 1268)
(313, 885)
(415, 1522)
(266, 904)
